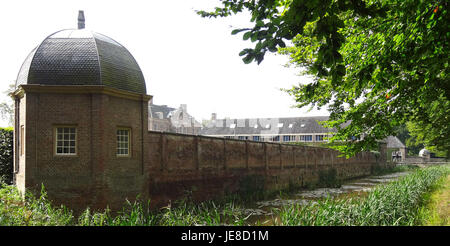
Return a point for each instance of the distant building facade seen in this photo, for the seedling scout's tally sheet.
(294, 129)
(285, 130)
(167, 119)
(158, 117)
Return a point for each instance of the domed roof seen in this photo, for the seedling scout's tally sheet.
(82, 57)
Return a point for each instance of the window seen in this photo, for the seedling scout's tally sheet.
(123, 142)
(289, 138)
(319, 138)
(276, 139)
(66, 140)
(305, 138)
(243, 137)
(256, 138)
(22, 138)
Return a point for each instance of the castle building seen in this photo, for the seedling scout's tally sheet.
(307, 130)
(176, 120)
(293, 129)
(81, 111)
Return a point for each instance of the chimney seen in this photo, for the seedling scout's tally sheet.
(213, 116)
(81, 19)
(184, 107)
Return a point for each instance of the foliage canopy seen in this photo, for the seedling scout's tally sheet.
(6, 155)
(376, 64)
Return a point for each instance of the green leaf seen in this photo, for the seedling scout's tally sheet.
(248, 59)
(247, 35)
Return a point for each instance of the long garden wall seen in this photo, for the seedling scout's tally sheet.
(203, 168)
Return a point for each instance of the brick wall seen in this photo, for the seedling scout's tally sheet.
(95, 176)
(202, 168)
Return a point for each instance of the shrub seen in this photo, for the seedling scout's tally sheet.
(6, 155)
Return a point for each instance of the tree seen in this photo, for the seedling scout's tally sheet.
(376, 64)
(7, 108)
(6, 155)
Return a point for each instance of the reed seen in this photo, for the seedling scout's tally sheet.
(396, 203)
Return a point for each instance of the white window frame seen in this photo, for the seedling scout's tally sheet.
(303, 138)
(320, 138)
(121, 140)
(65, 139)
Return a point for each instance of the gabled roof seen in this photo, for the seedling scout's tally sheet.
(284, 126)
(164, 109)
(394, 142)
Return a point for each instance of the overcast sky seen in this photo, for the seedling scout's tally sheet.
(185, 59)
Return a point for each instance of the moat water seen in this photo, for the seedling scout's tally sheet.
(262, 212)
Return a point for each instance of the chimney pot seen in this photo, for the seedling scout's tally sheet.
(81, 19)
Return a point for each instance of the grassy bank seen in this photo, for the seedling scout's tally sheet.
(396, 203)
(38, 211)
(436, 208)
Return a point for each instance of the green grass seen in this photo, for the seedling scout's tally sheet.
(395, 169)
(436, 208)
(18, 211)
(14, 210)
(185, 214)
(396, 203)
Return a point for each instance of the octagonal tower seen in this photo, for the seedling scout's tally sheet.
(81, 115)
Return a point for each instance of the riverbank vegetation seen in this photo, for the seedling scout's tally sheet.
(436, 209)
(397, 203)
(413, 200)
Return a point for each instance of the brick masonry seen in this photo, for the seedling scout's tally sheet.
(207, 167)
(162, 167)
